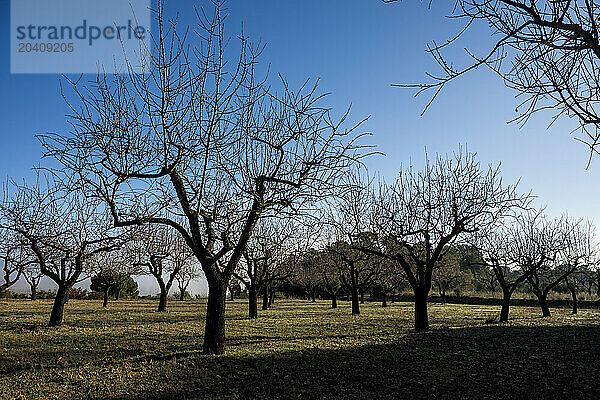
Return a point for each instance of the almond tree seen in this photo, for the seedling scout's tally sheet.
(157, 249)
(358, 268)
(421, 214)
(33, 276)
(64, 230)
(188, 272)
(330, 270)
(547, 51)
(15, 259)
(498, 249)
(204, 145)
(265, 260)
(552, 250)
(447, 274)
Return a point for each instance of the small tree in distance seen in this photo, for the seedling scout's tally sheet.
(424, 212)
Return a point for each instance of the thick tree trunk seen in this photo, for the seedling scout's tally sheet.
(574, 297)
(33, 292)
(58, 309)
(362, 297)
(543, 298)
(231, 295)
(105, 299)
(162, 302)
(355, 302)
(271, 297)
(214, 331)
(265, 302)
(252, 303)
(421, 317)
(506, 294)
(313, 296)
(384, 300)
(334, 301)
(182, 295)
(118, 294)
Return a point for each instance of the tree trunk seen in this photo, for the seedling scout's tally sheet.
(214, 331)
(334, 301)
(231, 294)
(313, 296)
(444, 296)
(272, 297)
(182, 295)
(118, 293)
(421, 317)
(574, 297)
(162, 302)
(506, 294)
(105, 299)
(58, 309)
(543, 298)
(362, 297)
(384, 301)
(355, 305)
(265, 302)
(33, 292)
(252, 303)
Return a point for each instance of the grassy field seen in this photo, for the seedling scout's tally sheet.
(297, 350)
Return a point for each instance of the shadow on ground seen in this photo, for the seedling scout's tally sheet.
(489, 362)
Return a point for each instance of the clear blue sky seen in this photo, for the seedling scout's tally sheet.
(358, 48)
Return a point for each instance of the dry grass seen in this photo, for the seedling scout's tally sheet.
(296, 350)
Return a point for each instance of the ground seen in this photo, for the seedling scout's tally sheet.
(297, 350)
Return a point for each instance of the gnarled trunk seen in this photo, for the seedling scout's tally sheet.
(421, 316)
(265, 302)
(543, 300)
(355, 302)
(334, 301)
(162, 302)
(573, 292)
(252, 302)
(105, 298)
(271, 297)
(574, 297)
(214, 331)
(506, 294)
(58, 309)
(33, 292)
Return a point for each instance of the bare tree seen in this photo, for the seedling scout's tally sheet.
(498, 248)
(564, 244)
(424, 212)
(157, 249)
(64, 230)
(204, 146)
(388, 279)
(357, 267)
(187, 266)
(265, 260)
(33, 276)
(547, 51)
(330, 270)
(15, 258)
(447, 274)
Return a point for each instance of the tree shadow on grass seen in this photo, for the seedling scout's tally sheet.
(489, 362)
